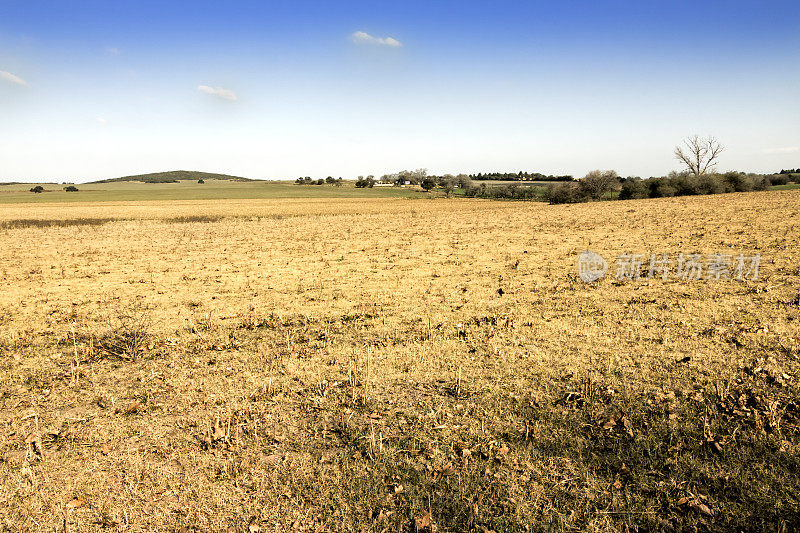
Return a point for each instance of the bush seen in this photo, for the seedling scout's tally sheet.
(778, 179)
(711, 184)
(37, 189)
(633, 189)
(71, 188)
(660, 188)
(201, 181)
(564, 193)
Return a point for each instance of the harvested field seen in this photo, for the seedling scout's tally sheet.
(396, 365)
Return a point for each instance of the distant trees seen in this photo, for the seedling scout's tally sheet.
(38, 189)
(428, 183)
(698, 154)
(517, 176)
(597, 183)
(201, 181)
(71, 188)
(367, 182)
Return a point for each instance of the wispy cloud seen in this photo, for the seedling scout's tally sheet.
(220, 92)
(781, 150)
(362, 37)
(112, 51)
(7, 76)
(101, 120)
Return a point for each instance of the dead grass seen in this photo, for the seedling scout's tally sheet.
(345, 370)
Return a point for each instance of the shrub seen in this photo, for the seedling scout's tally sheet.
(778, 179)
(710, 184)
(71, 188)
(660, 188)
(201, 180)
(37, 189)
(564, 193)
(633, 189)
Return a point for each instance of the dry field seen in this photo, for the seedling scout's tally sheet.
(396, 365)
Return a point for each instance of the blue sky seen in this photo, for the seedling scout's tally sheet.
(278, 90)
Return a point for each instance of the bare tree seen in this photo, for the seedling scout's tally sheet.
(699, 155)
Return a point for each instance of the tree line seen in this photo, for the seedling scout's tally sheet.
(518, 176)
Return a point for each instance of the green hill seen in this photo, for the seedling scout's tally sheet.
(174, 176)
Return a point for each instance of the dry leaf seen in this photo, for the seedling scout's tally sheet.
(626, 423)
(702, 508)
(424, 523)
(446, 470)
(132, 409)
(610, 424)
(76, 503)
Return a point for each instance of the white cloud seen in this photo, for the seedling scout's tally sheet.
(112, 51)
(220, 92)
(101, 120)
(781, 150)
(362, 37)
(13, 79)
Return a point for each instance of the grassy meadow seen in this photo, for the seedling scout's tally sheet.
(266, 362)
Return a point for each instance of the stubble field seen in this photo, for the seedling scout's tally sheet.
(396, 365)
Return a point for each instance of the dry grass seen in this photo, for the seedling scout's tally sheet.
(353, 365)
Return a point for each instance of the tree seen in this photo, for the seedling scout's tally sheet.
(448, 183)
(201, 181)
(71, 188)
(598, 182)
(428, 184)
(37, 189)
(699, 155)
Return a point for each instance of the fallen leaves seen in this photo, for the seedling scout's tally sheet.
(131, 409)
(424, 524)
(695, 503)
(75, 503)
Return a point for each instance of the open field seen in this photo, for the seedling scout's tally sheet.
(388, 364)
(191, 190)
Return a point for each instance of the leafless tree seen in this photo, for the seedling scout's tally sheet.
(699, 155)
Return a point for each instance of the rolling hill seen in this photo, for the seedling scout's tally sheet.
(174, 176)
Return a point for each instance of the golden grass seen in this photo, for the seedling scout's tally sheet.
(352, 365)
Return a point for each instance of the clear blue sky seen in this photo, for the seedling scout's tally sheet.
(96, 89)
